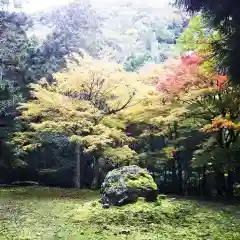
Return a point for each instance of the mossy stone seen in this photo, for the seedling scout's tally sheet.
(126, 184)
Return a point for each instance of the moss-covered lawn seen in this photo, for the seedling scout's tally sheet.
(50, 213)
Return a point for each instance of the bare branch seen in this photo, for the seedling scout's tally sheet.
(113, 111)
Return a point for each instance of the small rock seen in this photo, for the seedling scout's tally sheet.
(162, 196)
(105, 205)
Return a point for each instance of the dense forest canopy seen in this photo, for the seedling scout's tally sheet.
(90, 86)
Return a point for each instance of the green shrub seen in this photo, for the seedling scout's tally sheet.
(4, 174)
(23, 173)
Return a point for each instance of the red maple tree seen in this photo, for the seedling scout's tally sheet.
(183, 73)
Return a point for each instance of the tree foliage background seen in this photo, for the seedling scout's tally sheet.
(86, 88)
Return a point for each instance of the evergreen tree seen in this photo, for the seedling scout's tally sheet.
(13, 55)
(224, 16)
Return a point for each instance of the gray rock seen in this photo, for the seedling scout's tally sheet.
(126, 184)
(25, 183)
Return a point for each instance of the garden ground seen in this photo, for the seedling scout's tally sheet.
(49, 213)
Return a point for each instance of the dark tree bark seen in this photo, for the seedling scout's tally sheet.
(179, 168)
(174, 176)
(77, 177)
(96, 179)
(230, 184)
(220, 182)
(204, 181)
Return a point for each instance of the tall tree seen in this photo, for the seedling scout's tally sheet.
(78, 105)
(14, 54)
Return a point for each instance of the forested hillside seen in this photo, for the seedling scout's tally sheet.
(128, 28)
(129, 32)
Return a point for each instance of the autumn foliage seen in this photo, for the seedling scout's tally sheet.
(182, 74)
(219, 123)
(177, 75)
(220, 79)
(191, 59)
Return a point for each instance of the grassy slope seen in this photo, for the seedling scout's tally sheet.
(43, 213)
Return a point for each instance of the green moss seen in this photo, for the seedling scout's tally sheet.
(135, 178)
(35, 213)
(142, 180)
(168, 220)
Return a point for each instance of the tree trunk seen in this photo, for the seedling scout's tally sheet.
(77, 177)
(174, 177)
(95, 183)
(185, 178)
(204, 181)
(230, 184)
(179, 166)
(220, 183)
(230, 181)
(200, 185)
(165, 175)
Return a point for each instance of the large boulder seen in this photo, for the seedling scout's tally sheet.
(126, 184)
